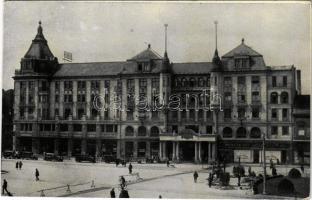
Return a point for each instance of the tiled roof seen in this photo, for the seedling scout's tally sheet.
(240, 50)
(90, 69)
(280, 67)
(192, 68)
(147, 54)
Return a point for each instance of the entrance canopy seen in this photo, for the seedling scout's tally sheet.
(187, 135)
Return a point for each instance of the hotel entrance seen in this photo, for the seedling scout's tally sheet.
(187, 151)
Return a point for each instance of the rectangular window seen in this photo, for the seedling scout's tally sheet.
(208, 115)
(77, 127)
(228, 81)
(241, 98)
(273, 81)
(95, 85)
(57, 98)
(91, 128)
(142, 85)
(56, 112)
(241, 80)
(285, 81)
(228, 97)
(274, 114)
(209, 129)
(57, 86)
(241, 113)
(130, 115)
(68, 85)
(227, 113)
(274, 130)
(285, 130)
(255, 97)
(81, 85)
(109, 128)
(285, 113)
(63, 127)
(255, 113)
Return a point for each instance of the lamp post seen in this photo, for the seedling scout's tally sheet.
(264, 164)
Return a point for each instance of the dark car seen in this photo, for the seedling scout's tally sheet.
(8, 154)
(28, 155)
(109, 158)
(52, 157)
(85, 158)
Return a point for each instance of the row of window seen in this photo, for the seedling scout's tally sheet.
(107, 128)
(255, 132)
(142, 131)
(192, 82)
(81, 85)
(284, 98)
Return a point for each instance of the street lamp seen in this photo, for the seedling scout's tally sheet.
(264, 164)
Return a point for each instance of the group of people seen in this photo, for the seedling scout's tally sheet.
(18, 165)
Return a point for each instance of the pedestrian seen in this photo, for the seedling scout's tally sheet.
(159, 197)
(16, 165)
(239, 180)
(124, 193)
(271, 163)
(249, 171)
(274, 173)
(5, 187)
(195, 175)
(210, 178)
(20, 164)
(37, 174)
(130, 168)
(302, 168)
(112, 193)
(117, 162)
(122, 182)
(168, 164)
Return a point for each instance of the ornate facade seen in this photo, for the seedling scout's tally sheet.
(56, 106)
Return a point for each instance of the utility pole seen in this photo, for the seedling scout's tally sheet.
(264, 165)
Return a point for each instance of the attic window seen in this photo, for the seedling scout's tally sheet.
(241, 63)
(140, 67)
(143, 67)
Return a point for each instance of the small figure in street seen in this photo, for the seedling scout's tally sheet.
(249, 171)
(124, 193)
(195, 175)
(16, 165)
(117, 162)
(168, 163)
(210, 178)
(37, 174)
(302, 168)
(20, 164)
(274, 173)
(112, 193)
(271, 163)
(5, 187)
(159, 197)
(122, 182)
(130, 168)
(239, 180)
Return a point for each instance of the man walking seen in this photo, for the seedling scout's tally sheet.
(210, 178)
(20, 164)
(112, 193)
(124, 193)
(195, 175)
(5, 187)
(130, 168)
(16, 165)
(37, 174)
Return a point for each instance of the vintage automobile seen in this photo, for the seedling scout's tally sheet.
(8, 154)
(85, 158)
(108, 158)
(52, 157)
(28, 155)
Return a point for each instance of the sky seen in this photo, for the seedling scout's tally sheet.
(117, 31)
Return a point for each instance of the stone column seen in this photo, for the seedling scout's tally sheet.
(199, 152)
(209, 151)
(213, 151)
(164, 150)
(74, 99)
(69, 147)
(135, 149)
(98, 148)
(196, 153)
(56, 146)
(118, 149)
(160, 150)
(173, 150)
(88, 99)
(61, 104)
(148, 149)
(26, 99)
(83, 146)
(177, 151)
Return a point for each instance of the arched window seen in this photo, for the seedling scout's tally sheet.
(129, 131)
(154, 131)
(192, 82)
(284, 97)
(255, 132)
(142, 131)
(200, 82)
(241, 132)
(227, 132)
(274, 98)
(178, 82)
(184, 82)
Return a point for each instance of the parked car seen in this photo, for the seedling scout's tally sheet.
(109, 158)
(28, 155)
(52, 157)
(8, 154)
(85, 158)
